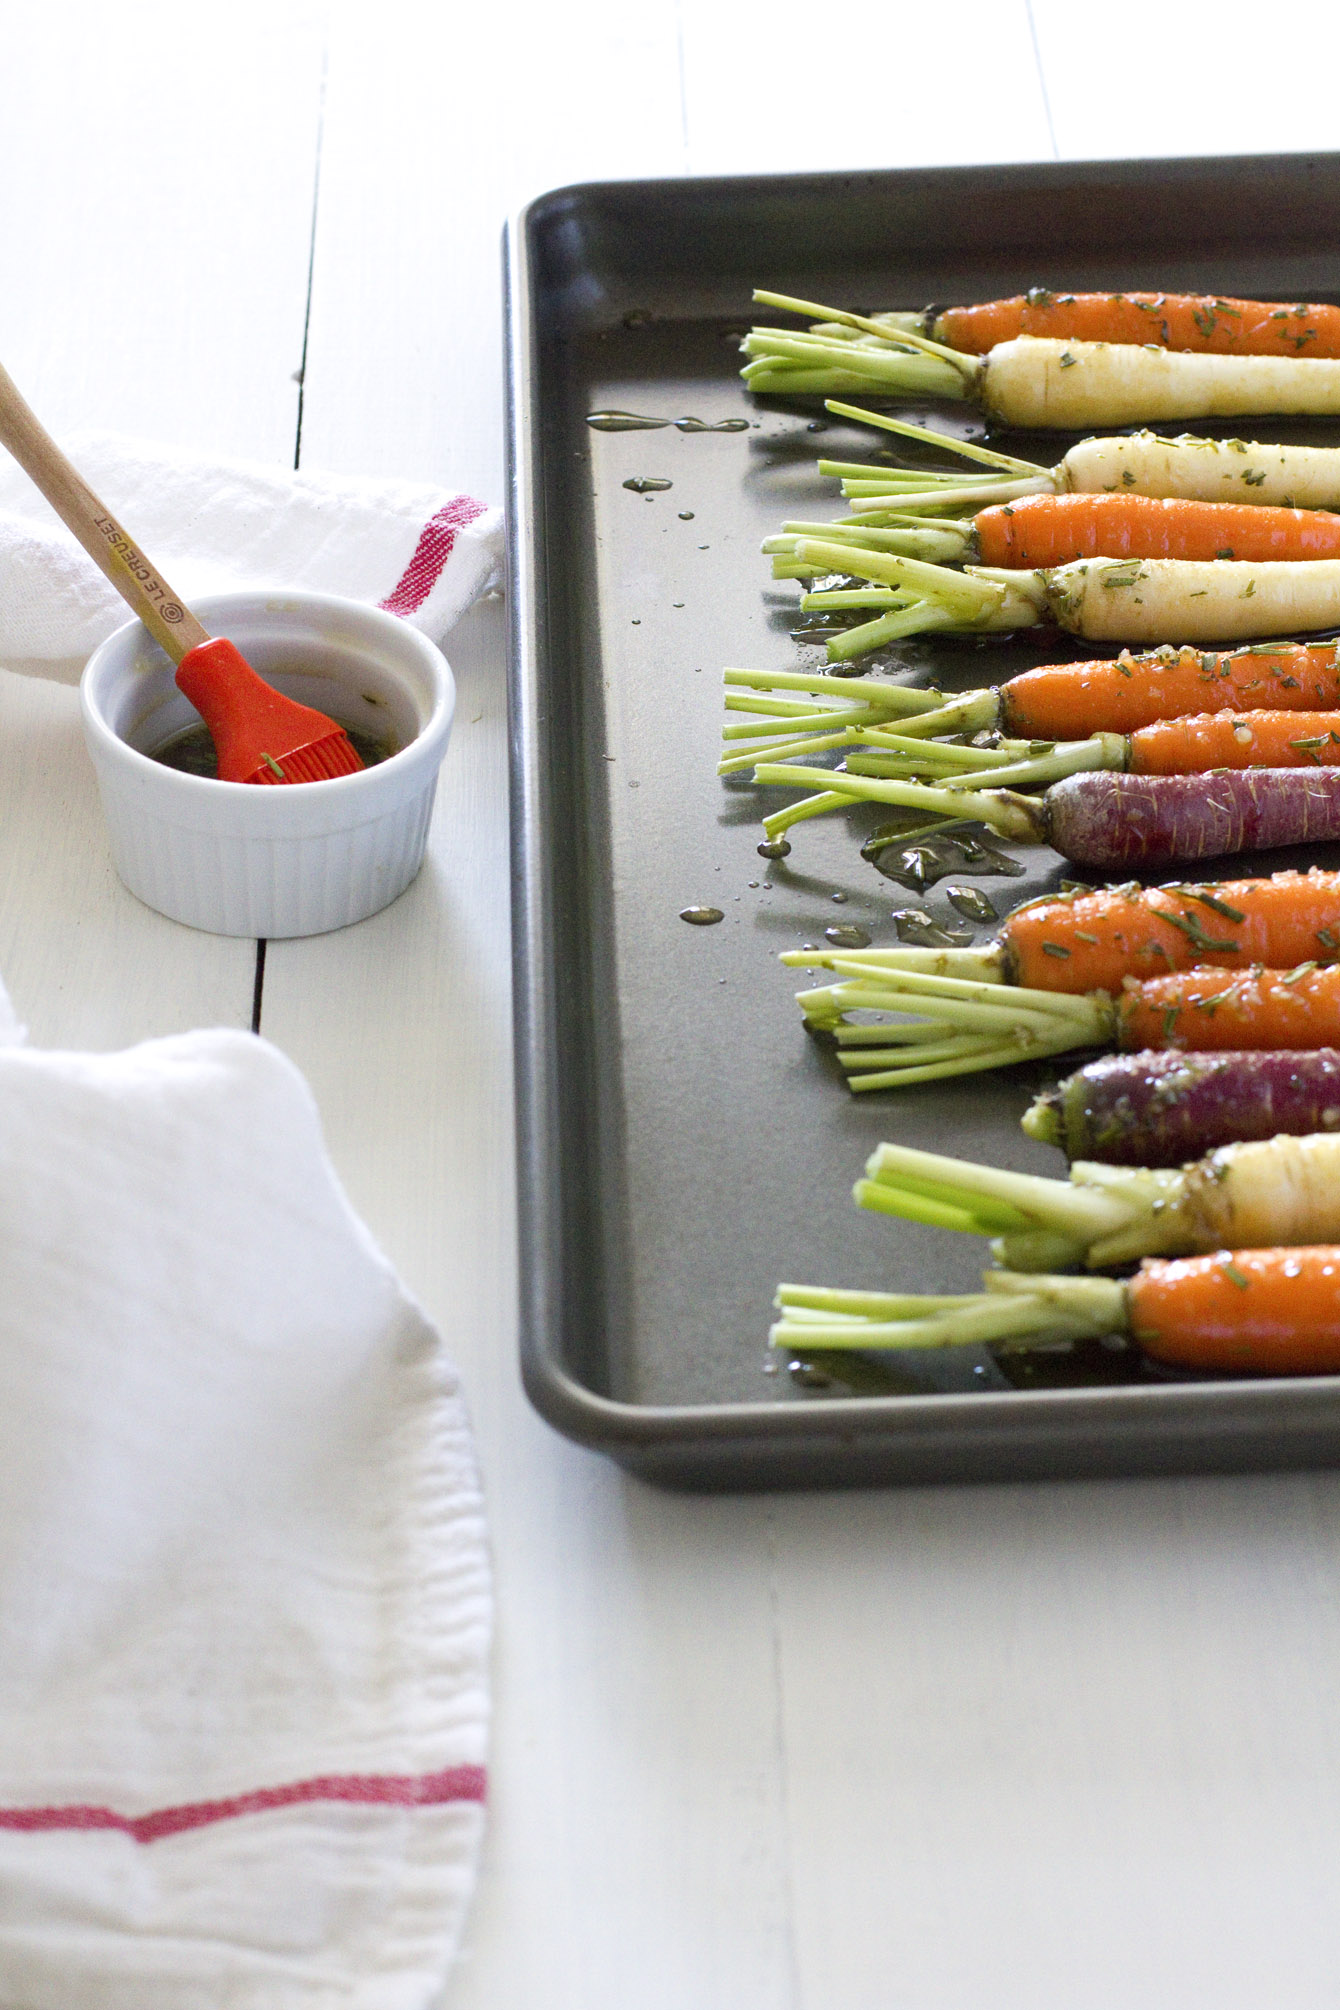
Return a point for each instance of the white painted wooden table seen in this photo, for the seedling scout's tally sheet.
(1033, 1748)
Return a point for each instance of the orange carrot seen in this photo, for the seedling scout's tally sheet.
(1173, 320)
(1235, 740)
(1044, 530)
(1083, 942)
(1093, 941)
(1241, 1311)
(1259, 1311)
(963, 1024)
(1205, 1010)
(1209, 743)
(1069, 701)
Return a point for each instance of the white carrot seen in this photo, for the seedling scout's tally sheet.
(1034, 381)
(1207, 470)
(1152, 600)
(1183, 600)
(1144, 463)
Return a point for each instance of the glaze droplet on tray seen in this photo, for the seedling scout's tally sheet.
(916, 926)
(642, 422)
(701, 917)
(973, 903)
(623, 422)
(712, 426)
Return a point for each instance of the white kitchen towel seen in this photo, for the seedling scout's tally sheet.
(244, 1585)
(220, 526)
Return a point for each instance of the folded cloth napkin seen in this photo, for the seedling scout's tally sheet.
(244, 1588)
(219, 526)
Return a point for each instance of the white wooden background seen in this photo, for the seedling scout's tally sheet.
(1063, 1747)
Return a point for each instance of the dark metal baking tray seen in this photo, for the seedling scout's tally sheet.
(682, 1146)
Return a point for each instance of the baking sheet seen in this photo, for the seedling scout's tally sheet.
(683, 1146)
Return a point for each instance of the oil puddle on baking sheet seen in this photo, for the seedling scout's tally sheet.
(972, 903)
(711, 425)
(919, 865)
(623, 422)
(914, 925)
(641, 422)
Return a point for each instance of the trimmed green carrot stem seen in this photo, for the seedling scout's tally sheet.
(789, 726)
(1266, 1194)
(899, 698)
(985, 1025)
(1013, 817)
(1038, 1311)
(966, 368)
(971, 450)
(1100, 1216)
(1207, 1009)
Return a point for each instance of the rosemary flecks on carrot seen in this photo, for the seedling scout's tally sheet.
(1176, 320)
(1050, 530)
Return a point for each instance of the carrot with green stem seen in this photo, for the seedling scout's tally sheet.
(1093, 941)
(1032, 380)
(1209, 741)
(1241, 1311)
(1277, 1191)
(1102, 819)
(1046, 531)
(938, 544)
(1122, 600)
(823, 712)
(945, 1025)
(1194, 321)
(1143, 463)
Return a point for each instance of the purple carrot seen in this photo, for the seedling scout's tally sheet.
(1164, 1109)
(1107, 819)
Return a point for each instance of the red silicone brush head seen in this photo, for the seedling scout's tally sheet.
(260, 735)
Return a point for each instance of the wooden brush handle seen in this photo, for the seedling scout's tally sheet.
(102, 537)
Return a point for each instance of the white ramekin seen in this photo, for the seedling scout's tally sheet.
(297, 860)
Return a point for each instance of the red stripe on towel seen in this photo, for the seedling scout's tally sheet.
(383, 1790)
(431, 553)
